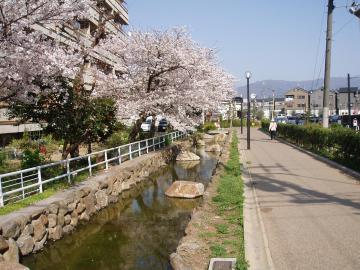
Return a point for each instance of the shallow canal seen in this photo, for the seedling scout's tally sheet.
(138, 233)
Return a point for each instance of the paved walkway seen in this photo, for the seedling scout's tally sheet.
(300, 213)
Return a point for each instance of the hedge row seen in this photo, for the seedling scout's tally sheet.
(338, 143)
(237, 123)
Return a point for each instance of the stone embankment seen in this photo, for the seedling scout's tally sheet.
(27, 230)
(193, 252)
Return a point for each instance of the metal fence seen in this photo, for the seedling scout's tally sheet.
(16, 186)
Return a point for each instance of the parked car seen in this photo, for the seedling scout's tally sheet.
(335, 119)
(163, 124)
(314, 119)
(300, 121)
(281, 119)
(146, 126)
(292, 120)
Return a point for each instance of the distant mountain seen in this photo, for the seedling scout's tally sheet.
(264, 88)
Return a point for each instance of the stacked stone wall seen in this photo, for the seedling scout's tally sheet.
(28, 230)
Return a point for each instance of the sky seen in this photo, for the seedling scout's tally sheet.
(274, 39)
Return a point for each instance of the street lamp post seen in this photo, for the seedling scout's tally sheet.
(273, 110)
(241, 115)
(349, 100)
(248, 76)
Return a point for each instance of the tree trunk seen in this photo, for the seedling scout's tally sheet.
(89, 148)
(153, 128)
(74, 150)
(64, 152)
(135, 131)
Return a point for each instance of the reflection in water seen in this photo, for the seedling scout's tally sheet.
(137, 233)
(197, 173)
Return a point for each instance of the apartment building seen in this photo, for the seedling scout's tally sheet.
(316, 102)
(343, 103)
(267, 106)
(79, 31)
(83, 31)
(296, 101)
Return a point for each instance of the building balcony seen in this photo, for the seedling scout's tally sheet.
(119, 7)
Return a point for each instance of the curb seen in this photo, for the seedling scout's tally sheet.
(338, 166)
(257, 253)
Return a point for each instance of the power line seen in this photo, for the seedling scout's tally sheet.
(342, 27)
(318, 47)
(320, 71)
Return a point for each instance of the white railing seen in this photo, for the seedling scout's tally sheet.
(16, 186)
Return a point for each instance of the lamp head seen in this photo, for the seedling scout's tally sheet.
(248, 74)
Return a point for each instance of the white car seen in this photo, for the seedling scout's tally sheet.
(146, 126)
(281, 120)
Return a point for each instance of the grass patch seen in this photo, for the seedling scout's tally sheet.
(222, 228)
(229, 204)
(207, 234)
(218, 250)
(49, 190)
(27, 202)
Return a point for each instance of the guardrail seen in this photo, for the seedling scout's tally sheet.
(16, 186)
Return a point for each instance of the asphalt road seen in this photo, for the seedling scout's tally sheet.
(306, 213)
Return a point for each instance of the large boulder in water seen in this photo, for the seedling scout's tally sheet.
(188, 164)
(12, 266)
(185, 189)
(187, 156)
(220, 137)
(208, 137)
(213, 148)
(214, 132)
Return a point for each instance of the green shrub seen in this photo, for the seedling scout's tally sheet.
(237, 123)
(167, 140)
(265, 123)
(47, 143)
(3, 158)
(31, 159)
(206, 127)
(337, 143)
(118, 138)
(209, 126)
(24, 143)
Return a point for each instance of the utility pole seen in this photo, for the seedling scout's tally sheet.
(331, 8)
(349, 100)
(231, 113)
(241, 115)
(336, 103)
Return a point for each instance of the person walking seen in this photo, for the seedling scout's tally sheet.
(355, 124)
(272, 128)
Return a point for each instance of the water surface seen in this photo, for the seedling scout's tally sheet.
(138, 233)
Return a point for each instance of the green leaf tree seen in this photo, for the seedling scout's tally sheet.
(69, 115)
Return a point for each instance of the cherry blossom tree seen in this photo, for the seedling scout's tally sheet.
(164, 73)
(49, 79)
(27, 55)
